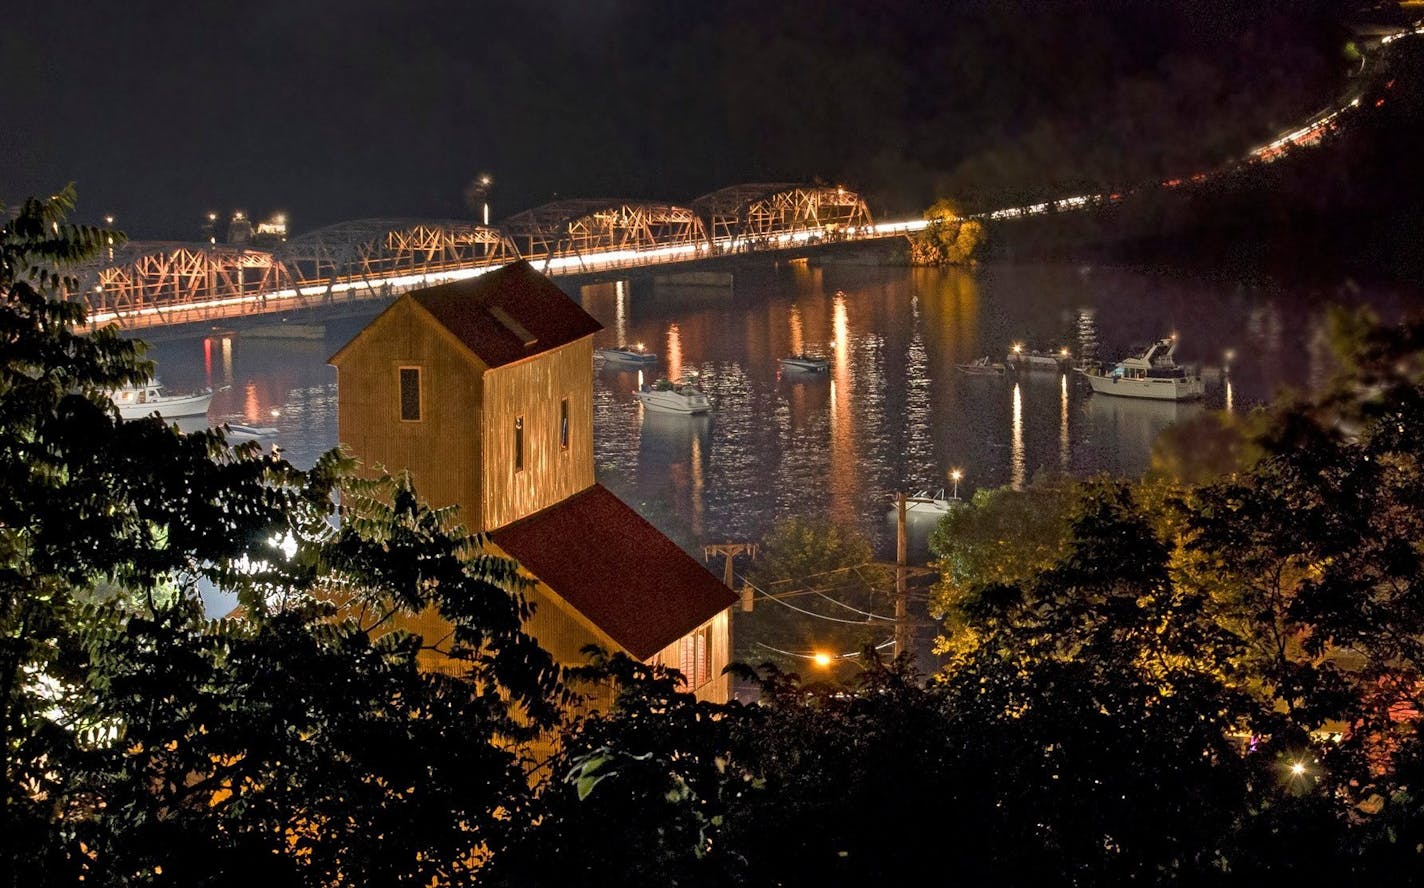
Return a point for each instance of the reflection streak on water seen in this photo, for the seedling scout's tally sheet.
(794, 319)
(843, 455)
(1016, 452)
(1063, 423)
(674, 352)
(920, 466)
(698, 480)
(620, 312)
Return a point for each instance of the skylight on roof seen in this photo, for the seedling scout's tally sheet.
(513, 326)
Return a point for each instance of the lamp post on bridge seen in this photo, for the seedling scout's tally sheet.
(477, 194)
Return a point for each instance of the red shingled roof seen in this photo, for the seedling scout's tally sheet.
(538, 308)
(617, 569)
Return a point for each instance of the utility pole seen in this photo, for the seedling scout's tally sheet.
(730, 551)
(901, 629)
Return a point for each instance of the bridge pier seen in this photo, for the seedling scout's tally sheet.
(286, 331)
(704, 281)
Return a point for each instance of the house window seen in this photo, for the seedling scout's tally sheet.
(695, 657)
(410, 394)
(518, 443)
(564, 424)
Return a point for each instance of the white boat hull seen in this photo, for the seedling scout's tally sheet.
(618, 356)
(167, 406)
(805, 366)
(673, 402)
(1156, 389)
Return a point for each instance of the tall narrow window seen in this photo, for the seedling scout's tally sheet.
(564, 424)
(518, 443)
(410, 394)
(695, 657)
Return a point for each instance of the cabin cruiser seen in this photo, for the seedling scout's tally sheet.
(981, 367)
(809, 363)
(238, 433)
(926, 504)
(666, 396)
(1152, 372)
(627, 354)
(1033, 359)
(138, 401)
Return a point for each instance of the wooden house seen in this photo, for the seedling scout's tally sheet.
(483, 390)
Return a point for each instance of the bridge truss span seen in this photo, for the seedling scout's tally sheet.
(587, 232)
(771, 213)
(368, 252)
(168, 282)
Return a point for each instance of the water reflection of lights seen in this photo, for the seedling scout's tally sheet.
(674, 352)
(796, 334)
(1016, 452)
(697, 484)
(843, 457)
(251, 403)
(1229, 404)
(1063, 423)
(620, 311)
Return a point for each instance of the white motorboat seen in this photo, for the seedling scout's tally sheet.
(627, 354)
(926, 504)
(666, 396)
(1151, 373)
(1033, 359)
(981, 367)
(807, 363)
(138, 401)
(238, 433)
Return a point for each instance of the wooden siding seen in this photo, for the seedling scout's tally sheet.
(534, 390)
(442, 450)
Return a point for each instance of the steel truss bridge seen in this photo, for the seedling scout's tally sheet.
(144, 285)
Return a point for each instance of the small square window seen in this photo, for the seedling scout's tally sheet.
(410, 394)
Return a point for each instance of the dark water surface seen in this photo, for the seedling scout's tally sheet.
(892, 413)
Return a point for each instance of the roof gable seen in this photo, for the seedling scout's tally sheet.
(616, 569)
(508, 314)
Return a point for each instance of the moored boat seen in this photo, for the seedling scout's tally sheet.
(666, 396)
(627, 354)
(238, 432)
(138, 401)
(926, 504)
(807, 363)
(981, 367)
(1152, 372)
(1034, 359)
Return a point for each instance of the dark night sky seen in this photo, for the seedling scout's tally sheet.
(162, 111)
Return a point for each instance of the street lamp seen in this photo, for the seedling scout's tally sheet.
(477, 194)
(109, 221)
(955, 475)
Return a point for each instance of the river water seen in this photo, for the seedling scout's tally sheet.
(892, 414)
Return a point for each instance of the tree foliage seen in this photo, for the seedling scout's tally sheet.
(819, 591)
(303, 743)
(948, 239)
